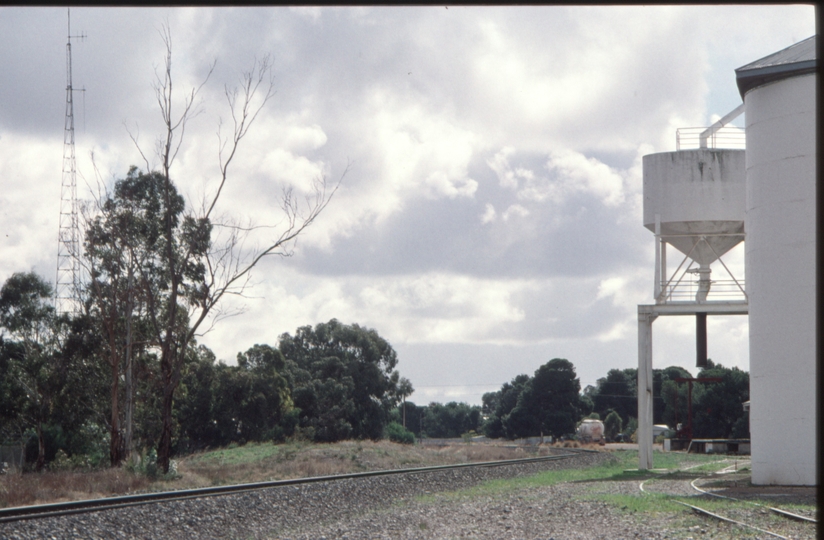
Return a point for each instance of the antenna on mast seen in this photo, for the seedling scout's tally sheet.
(67, 283)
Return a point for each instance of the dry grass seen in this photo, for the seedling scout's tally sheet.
(40, 488)
(250, 463)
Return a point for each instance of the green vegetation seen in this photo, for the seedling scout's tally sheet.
(549, 403)
(399, 434)
(623, 466)
(248, 453)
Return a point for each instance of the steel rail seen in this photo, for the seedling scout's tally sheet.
(20, 513)
(778, 511)
(706, 512)
(730, 520)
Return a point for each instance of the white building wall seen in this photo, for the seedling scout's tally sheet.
(781, 280)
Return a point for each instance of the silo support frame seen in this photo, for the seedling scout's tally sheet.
(644, 438)
(647, 313)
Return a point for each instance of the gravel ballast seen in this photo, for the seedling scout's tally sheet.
(390, 507)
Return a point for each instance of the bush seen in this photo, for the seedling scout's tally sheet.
(630, 428)
(612, 425)
(399, 434)
(147, 466)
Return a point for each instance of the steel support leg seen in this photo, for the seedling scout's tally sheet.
(645, 319)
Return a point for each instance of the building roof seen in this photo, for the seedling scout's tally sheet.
(797, 59)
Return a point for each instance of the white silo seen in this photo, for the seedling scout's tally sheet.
(779, 94)
(697, 199)
(694, 200)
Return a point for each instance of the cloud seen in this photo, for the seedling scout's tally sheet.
(489, 214)
(531, 119)
(514, 210)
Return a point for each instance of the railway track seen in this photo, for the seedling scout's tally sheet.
(20, 513)
(747, 520)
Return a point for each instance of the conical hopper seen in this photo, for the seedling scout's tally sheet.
(703, 241)
(699, 199)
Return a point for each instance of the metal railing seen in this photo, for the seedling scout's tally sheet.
(721, 290)
(726, 137)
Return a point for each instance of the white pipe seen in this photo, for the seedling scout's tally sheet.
(713, 129)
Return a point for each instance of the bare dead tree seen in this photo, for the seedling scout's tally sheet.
(199, 269)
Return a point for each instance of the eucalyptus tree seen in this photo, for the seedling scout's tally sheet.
(498, 405)
(343, 379)
(29, 349)
(124, 236)
(616, 392)
(550, 403)
(718, 410)
(196, 259)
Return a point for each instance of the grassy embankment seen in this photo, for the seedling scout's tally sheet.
(252, 462)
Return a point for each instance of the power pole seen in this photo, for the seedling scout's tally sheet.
(67, 283)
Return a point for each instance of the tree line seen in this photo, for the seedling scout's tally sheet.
(551, 403)
(325, 383)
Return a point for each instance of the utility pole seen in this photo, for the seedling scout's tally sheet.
(67, 282)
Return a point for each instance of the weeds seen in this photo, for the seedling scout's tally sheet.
(38, 488)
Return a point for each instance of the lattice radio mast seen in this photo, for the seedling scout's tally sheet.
(67, 288)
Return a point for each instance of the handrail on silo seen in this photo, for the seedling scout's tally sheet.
(730, 137)
(715, 136)
(726, 119)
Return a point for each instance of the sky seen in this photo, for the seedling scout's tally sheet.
(489, 212)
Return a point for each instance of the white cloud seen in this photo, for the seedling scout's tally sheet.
(419, 151)
(577, 173)
(489, 214)
(418, 101)
(514, 210)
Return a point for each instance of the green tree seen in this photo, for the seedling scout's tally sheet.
(616, 392)
(663, 405)
(124, 236)
(195, 261)
(549, 404)
(399, 434)
(718, 407)
(343, 379)
(414, 417)
(500, 404)
(194, 407)
(451, 420)
(405, 390)
(612, 425)
(29, 320)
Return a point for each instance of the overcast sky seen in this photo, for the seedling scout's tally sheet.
(490, 217)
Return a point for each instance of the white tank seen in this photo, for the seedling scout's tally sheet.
(781, 281)
(590, 430)
(697, 192)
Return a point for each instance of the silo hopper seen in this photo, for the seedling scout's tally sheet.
(694, 200)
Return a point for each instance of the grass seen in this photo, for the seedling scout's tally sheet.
(252, 462)
(40, 488)
(239, 455)
(622, 467)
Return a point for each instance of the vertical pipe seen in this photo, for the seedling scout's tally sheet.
(657, 288)
(689, 407)
(644, 438)
(700, 340)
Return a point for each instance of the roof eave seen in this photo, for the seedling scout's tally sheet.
(747, 79)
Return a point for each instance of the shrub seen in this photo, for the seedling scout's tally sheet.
(467, 437)
(147, 466)
(612, 425)
(399, 434)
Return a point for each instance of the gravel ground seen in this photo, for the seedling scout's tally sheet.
(383, 507)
